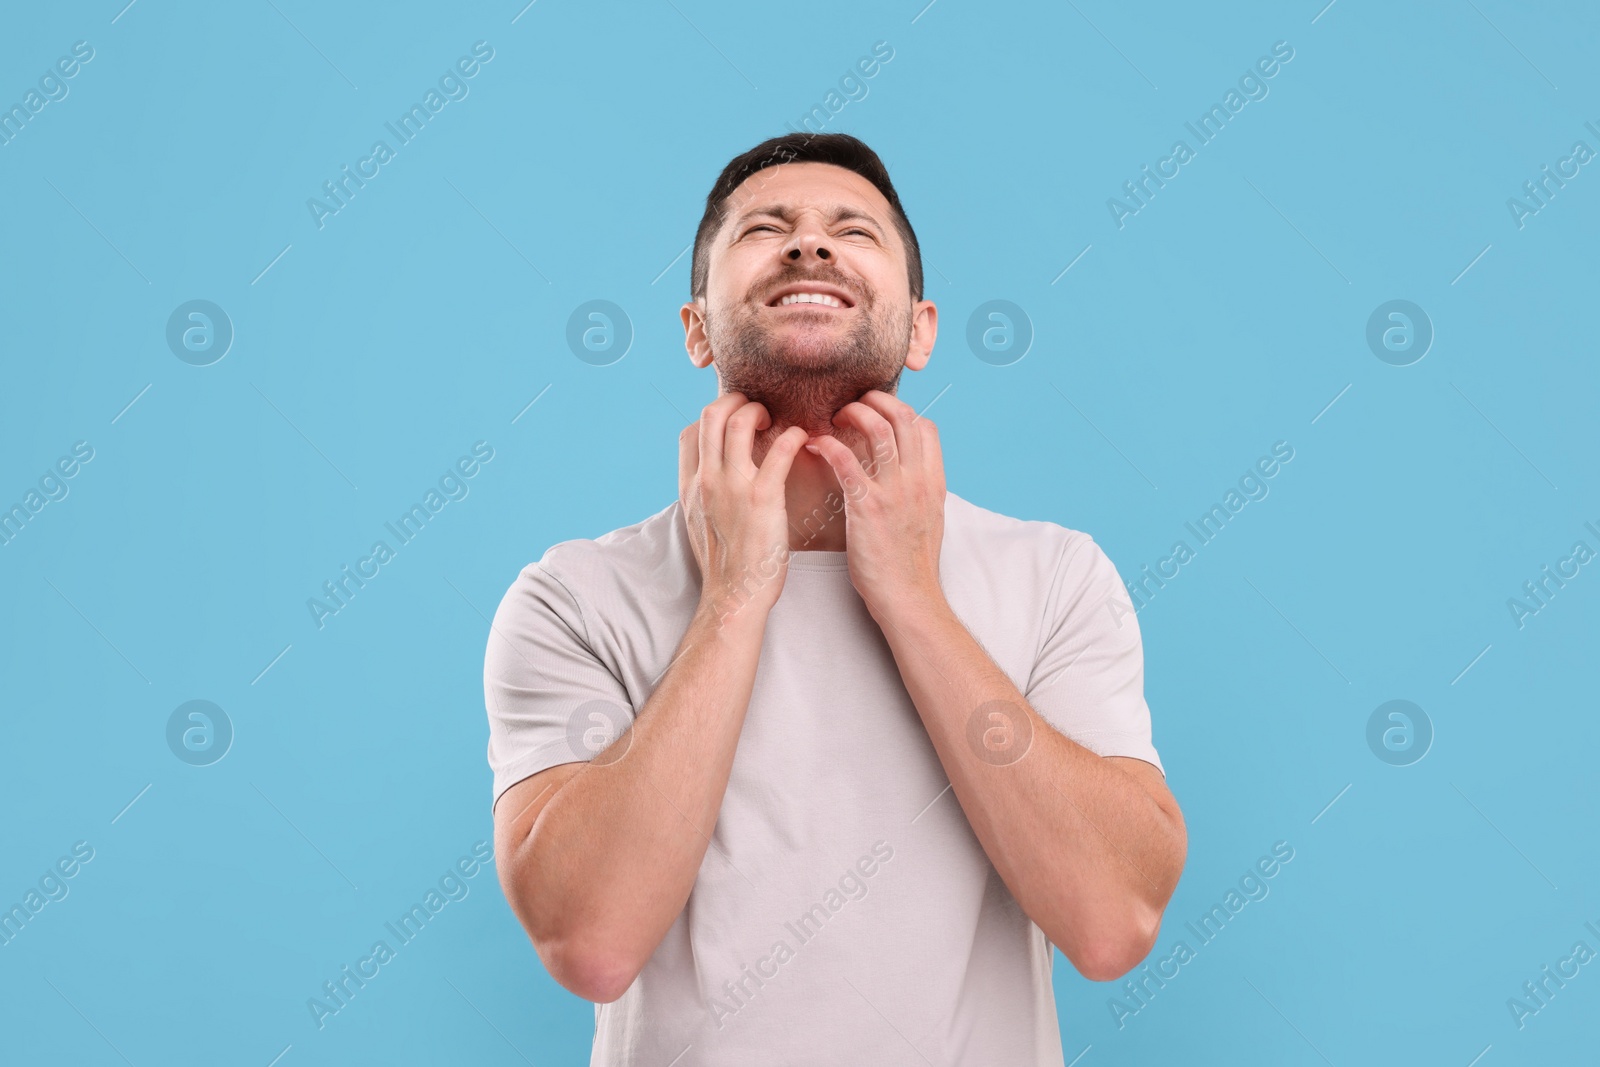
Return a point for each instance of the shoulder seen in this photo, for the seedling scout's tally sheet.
(621, 601)
(653, 553)
(976, 531)
(1066, 567)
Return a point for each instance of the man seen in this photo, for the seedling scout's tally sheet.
(816, 764)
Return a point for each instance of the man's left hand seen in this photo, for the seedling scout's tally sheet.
(894, 502)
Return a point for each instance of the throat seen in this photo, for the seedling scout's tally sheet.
(815, 504)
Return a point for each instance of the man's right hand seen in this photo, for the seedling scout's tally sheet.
(737, 519)
(599, 859)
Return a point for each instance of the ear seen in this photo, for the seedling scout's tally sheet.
(695, 341)
(924, 328)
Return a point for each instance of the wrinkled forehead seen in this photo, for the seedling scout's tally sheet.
(786, 190)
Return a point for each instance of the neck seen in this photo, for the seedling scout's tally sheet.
(812, 495)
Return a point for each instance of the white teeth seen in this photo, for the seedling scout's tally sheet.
(812, 298)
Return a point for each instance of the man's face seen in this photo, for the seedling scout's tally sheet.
(807, 301)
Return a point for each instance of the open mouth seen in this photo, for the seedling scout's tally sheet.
(811, 296)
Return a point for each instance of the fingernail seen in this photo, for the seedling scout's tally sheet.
(813, 450)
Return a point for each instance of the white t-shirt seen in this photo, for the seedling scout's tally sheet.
(845, 912)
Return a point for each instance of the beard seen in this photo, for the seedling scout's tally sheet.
(805, 376)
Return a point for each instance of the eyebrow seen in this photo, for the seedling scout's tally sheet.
(840, 213)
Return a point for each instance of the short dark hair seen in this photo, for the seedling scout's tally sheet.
(839, 149)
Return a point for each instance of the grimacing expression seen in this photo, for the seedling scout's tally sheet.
(826, 234)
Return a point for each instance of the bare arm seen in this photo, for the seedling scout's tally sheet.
(1091, 847)
(597, 860)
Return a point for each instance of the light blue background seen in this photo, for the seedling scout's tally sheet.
(1224, 316)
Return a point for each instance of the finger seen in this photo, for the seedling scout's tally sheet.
(713, 428)
(780, 458)
(741, 433)
(846, 468)
(881, 446)
(902, 417)
(688, 458)
(861, 431)
(932, 451)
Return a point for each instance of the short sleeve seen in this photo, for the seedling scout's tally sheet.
(550, 699)
(1088, 677)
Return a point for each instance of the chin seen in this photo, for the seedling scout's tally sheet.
(808, 346)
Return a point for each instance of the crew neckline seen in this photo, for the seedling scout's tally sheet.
(818, 560)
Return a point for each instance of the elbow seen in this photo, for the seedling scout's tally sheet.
(1128, 934)
(1117, 953)
(1108, 963)
(575, 957)
(1111, 960)
(593, 974)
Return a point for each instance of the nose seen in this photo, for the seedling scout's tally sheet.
(808, 244)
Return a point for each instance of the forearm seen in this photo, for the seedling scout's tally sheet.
(1087, 852)
(609, 863)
